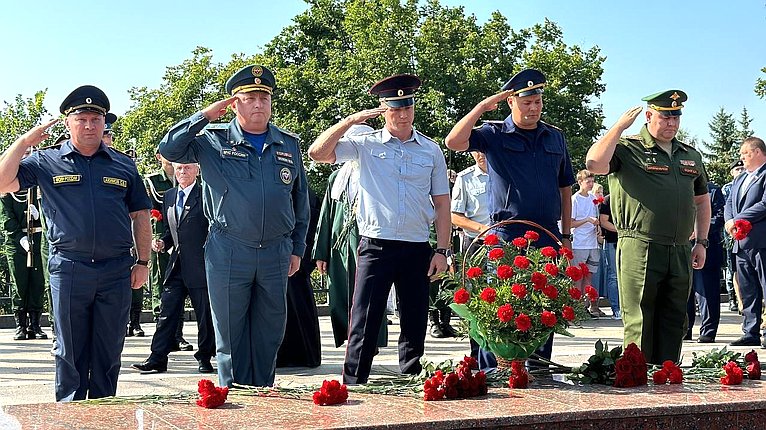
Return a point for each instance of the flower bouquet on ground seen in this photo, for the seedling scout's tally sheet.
(515, 295)
(613, 367)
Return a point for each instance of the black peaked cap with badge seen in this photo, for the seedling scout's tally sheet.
(397, 91)
(736, 163)
(251, 78)
(86, 98)
(109, 121)
(667, 102)
(527, 82)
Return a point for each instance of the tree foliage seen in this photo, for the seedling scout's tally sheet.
(331, 54)
(17, 117)
(727, 133)
(760, 85)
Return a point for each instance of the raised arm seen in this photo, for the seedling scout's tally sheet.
(11, 158)
(600, 153)
(323, 148)
(457, 139)
(175, 146)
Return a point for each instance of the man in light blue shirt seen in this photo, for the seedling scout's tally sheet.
(403, 188)
(470, 200)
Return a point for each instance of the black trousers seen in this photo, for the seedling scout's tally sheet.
(381, 263)
(172, 299)
(751, 274)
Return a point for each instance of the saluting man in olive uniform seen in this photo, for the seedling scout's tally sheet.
(659, 196)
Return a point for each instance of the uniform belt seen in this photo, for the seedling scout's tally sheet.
(83, 257)
(667, 241)
(238, 238)
(34, 230)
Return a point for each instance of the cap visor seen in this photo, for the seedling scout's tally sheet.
(87, 109)
(400, 103)
(530, 92)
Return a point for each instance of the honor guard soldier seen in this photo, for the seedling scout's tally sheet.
(530, 172)
(403, 189)
(659, 197)
(95, 204)
(21, 225)
(256, 198)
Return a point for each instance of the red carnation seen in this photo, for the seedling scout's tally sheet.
(504, 271)
(733, 374)
(156, 215)
(751, 356)
(742, 228)
(552, 269)
(491, 240)
(532, 235)
(539, 280)
(505, 313)
(584, 269)
(331, 393)
(549, 252)
(575, 293)
(523, 323)
(519, 290)
(754, 370)
(566, 252)
(488, 294)
(598, 200)
(496, 254)
(210, 395)
(521, 262)
(660, 377)
(519, 242)
(591, 293)
(519, 377)
(676, 375)
(548, 318)
(461, 296)
(568, 313)
(473, 272)
(574, 273)
(551, 292)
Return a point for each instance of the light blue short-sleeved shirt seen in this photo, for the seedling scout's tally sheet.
(470, 196)
(396, 182)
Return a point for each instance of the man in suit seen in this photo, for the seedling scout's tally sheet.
(747, 201)
(185, 232)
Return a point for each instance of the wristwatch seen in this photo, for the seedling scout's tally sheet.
(444, 251)
(704, 242)
(567, 236)
(142, 263)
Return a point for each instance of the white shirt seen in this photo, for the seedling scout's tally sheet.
(584, 236)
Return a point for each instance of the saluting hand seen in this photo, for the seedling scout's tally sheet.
(626, 120)
(38, 134)
(491, 102)
(366, 114)
(217, 109)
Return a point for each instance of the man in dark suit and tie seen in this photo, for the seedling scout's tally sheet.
(747, 201)
(185, 232)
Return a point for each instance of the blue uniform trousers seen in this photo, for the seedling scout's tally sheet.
(380, 263)
(247, 288)
(751, 274)
(91, 301)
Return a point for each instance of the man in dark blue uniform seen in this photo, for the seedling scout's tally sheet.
(256, 198)
(530, 172)
(96, 206)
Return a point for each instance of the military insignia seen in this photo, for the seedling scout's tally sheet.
(689, 171)
(88, 100)
(657, 168)
(530, 83)
(257, 80)
(285, 175)
(122, 183)
(285, 160)
(400, 93)
(232, 153)
(690, 163)
(675, 96)
(285, 154)
(66, 179)
(257, 71)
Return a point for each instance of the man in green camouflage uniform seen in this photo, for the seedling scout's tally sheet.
(659, 198)
(28, 282)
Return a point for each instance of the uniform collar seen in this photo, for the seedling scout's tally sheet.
(417, 137)
(237, 137)
(649, 142)
(509, 126)
(477, 171)
(68, 148)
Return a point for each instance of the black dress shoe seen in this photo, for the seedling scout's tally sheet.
(746, 341)
(183, 345)
(205, 367)
(148, 366)
(705, 339)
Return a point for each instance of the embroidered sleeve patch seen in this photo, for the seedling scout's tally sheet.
(66, 179)
(116, 181)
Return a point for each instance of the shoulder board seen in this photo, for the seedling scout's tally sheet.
(120, 152)
(636, 137)
(490, 122)
(467, 171)
(152, 175)
(551, 126)
(426, 137)
(54, 146)
(217, 126)
(289, 133)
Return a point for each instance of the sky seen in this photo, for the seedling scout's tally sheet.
(712, 50)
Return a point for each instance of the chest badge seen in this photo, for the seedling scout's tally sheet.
(689, 163)
(285, 175)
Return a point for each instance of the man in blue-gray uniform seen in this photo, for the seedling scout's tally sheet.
(256, 198)
(97, 209)
(403, 188)
(530, 172)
